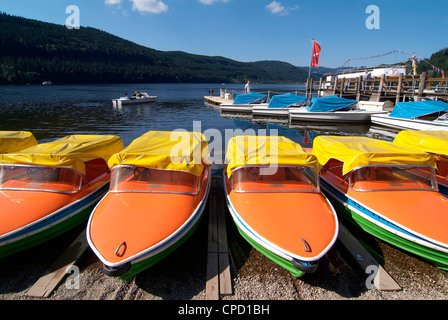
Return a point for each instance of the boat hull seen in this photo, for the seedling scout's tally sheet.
(336, 116)
(296, 266)
(358, 215)
(125, 102)
(132, 269)
(53, 225)
(276, 114)
(128, 268)
(413, 124)
(237, 108)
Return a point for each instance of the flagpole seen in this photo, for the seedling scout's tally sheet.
(309, 70)
(311, 61)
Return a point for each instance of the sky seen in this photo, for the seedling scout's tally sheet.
(350, 32)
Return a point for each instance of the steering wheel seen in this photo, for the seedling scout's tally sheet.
(363, 174)
(32, 172)
(142, 173)
(253, 173)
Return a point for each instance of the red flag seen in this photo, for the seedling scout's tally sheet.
(316, 54)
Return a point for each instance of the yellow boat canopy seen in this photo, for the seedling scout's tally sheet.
(170, 150)
(13, 141)
(433, 141)
(266, 150)
(357, 152)
(69, 152)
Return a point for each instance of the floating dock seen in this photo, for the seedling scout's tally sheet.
(215, 100)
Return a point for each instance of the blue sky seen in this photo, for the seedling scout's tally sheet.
(253, 30)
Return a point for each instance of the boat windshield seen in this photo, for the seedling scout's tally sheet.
(143, 179)
(374, 178)
(275, 179)
(39, 178)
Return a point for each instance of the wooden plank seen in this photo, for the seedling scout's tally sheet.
(212, 272)
(382, 280)
(54, 275)
(225, 282)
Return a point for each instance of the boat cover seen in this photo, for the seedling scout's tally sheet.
(13, 141)
(411, 110)
(266, 150)
(285, 100)
(252, 97)
(170, 150)
(330, 103)
(433, 141)
(69, 152)
(357, 151)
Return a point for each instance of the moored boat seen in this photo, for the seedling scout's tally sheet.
(244, 102)
(13, 141)
(272, 192)
(378, 186)
(332, 109)
(159, 189)
(141, 99)
(279, 106)
(416, 115)
(49, 188)
(434, 142)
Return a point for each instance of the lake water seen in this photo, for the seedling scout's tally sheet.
(55, 111)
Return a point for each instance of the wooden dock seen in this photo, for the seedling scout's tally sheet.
(215, 100)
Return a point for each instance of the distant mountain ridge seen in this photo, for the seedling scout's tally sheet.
(34, 51)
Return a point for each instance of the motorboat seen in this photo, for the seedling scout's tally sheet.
(143, 98)
(244, 102)
(50, 188)
(415, 115)
(272, 191)
(159, 189)
(377, 186)
(434, 142)
(333, 109)
(13, 141)
(279, 107)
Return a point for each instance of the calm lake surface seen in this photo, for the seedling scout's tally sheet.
(55, 111)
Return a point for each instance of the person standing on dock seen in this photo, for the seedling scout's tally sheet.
(247, 88)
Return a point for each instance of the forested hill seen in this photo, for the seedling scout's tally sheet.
(32, 51)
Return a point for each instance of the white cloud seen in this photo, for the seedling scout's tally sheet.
(277, 8)
(208, 2)
(153, 6)
(113, 2)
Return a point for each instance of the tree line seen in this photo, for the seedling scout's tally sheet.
(33, 51)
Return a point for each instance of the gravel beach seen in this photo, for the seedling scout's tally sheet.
(181, 276)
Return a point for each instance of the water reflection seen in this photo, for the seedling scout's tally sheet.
(52, 112)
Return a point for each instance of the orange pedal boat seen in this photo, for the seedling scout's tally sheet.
(434, 142)
(49, 188)
(387, 190)
(272, 191)
(159, 189)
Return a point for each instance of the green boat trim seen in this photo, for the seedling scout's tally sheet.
(286, 264)
(128, 270)
(354, 216)
(46, 234)
(140, 266)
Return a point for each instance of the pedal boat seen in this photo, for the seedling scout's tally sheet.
(434, 142)
(49, 188)
(13, 141)
(272, 191)
(159, 189)
(379, 187)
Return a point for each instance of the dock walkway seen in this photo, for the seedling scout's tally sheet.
(215, 100)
